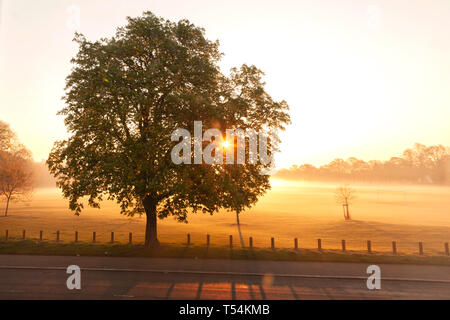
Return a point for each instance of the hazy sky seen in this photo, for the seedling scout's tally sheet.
(364, 79)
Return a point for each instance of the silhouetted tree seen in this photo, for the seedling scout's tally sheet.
(345, 195)
(127, 94)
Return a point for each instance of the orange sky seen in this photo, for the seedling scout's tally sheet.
(364, 79)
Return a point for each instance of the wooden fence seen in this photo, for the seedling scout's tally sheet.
(271, 244)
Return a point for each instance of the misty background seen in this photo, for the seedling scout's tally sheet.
(426, 165)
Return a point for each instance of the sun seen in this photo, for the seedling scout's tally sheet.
(225, 144)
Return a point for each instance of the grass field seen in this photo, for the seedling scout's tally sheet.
(48, 248)
(382, 214)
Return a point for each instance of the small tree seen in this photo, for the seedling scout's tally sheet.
(242, 186)
(16, 177)
(345, 195)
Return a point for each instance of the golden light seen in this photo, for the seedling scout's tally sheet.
(225, 144)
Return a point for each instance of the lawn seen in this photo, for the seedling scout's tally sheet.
(382, 214)
(32, 247)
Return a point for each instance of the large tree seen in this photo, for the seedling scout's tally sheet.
(124, 98)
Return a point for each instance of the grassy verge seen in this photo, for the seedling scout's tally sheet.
(31, 247)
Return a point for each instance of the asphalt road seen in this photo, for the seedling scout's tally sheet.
(44, 277)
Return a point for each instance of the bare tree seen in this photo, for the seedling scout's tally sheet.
(345, 195)
(16, 175)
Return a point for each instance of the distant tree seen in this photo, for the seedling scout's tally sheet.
(124, 98)
(345, 195)
(16, 176)
(8, 139)
(420, 164)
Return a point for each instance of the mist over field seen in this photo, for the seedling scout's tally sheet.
(305, 210)
(405, 199)
(224, 150)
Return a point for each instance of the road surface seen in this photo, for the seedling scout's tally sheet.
(44, 277)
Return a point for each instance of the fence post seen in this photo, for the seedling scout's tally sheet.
(6, 235)
(447, 252)
(394, 247)
(130, 238)
(421, 248)
(23, 234)
(272, 243)
(319, 244)
(296, 244)
(40, 235)
(188, 239)
(112, 237)
(250, 242)
(76, 236)
(57, 236)
(369, 246)
(207, 240)
(231, 241)
(343, 245)
(93, 236)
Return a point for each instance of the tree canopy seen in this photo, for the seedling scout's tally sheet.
(8, 139)
(124, 98)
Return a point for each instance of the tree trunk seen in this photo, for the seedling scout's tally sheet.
(348, 214)
(7, 206)
(239, 229)
(151, 236)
